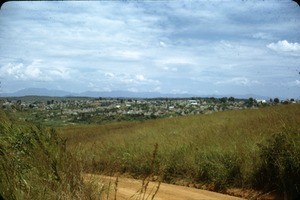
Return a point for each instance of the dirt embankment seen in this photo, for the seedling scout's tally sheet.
(130, 189)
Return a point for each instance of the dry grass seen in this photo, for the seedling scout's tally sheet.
(35, 164)
(220, 149)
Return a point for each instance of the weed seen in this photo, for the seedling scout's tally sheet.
(141, 193)
(34, 164)
(280, 166)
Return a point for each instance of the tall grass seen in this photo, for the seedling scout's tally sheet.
(35, 164)
(280, 167)
(222, 149)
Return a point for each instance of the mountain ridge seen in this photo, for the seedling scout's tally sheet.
(117, 94)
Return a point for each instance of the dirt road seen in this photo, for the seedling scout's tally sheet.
(130, 189)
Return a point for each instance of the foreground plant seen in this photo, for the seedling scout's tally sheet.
(280, 167)
(34, 164)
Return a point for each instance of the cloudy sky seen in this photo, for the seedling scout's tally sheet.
(199, 47)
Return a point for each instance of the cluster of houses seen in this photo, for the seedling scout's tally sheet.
(101, 110)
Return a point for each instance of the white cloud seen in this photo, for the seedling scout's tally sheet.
(140, 77)
(130, 79)
(176, 61)
(226, 44)
(133, 82)
(15, 71)
(19, 71)
(129, 54)
(34, 71)
(173, 69)
(162, 44)
(60, 73)
(294, 83)
(239, 81)
(109, 74)
(285, 46)
(179, 91)
(261, 35)
(91, 85)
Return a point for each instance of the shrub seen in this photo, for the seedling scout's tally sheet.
(34, 164)
(280, 166)
(179, 163)
(220, 169)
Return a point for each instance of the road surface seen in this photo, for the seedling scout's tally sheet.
(130, 189)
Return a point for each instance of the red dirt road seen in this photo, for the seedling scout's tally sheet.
(129, 189)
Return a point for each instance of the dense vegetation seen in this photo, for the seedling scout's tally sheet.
(34, 164)
(257, 148)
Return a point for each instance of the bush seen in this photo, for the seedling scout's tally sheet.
(34, 164)
(220, 169)
(280, 166)
(178, 163)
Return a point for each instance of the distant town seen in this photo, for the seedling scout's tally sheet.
(74, 110)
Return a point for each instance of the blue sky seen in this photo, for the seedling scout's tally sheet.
(197, 47)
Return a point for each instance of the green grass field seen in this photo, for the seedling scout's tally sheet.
(224, 149)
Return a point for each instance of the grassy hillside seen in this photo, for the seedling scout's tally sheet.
(34, 164)
(243, 148)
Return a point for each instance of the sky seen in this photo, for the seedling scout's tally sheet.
(207, 47)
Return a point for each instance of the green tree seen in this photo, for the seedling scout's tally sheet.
(250, 102)
(223, 99)
(231, 99)
(276, 100)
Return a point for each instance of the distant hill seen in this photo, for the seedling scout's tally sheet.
(110, 94)
(128, 94)
(116, 94)
(37, 92)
